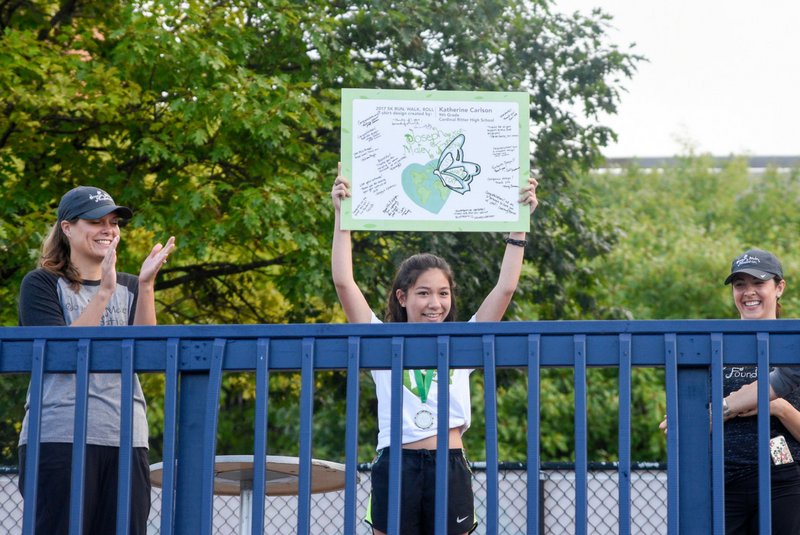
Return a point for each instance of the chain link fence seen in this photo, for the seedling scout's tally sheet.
(557, 505)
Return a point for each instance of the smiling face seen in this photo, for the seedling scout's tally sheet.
(90, 239)
(756, 299)
(428, 299)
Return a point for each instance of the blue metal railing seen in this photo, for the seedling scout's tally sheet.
(193, 359)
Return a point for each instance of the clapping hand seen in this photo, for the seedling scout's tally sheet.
(155, 260)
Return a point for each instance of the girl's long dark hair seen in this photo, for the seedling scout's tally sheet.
(407, 275)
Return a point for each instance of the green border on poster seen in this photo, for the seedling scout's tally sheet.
(522, 224)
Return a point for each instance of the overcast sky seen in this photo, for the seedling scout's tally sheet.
(722, 76)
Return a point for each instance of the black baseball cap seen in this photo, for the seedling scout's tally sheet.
(86, 202)
(760, 264)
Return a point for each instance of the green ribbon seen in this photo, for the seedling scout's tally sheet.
(424, 380)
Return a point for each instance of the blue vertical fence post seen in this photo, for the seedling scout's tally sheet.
(581, 456)
(534, 494)
(695, 444)
(717, 436)
(764, 464)
(396, 441)
(624, 433)
(170, 429)
(34, 433)
(443, 431)
(209, 445)
(351, 432)
(125, 439)
(260, 439)
(306, 420)
(79, 439)
(490, 404)
(194, 387)
(673, 459)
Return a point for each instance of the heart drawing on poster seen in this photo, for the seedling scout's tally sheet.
(423, 187)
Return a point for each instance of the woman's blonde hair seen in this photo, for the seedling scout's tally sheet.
(55, 256)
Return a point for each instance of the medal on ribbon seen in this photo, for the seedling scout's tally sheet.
(424, 417)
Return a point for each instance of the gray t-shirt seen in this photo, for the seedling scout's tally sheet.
(47, 300)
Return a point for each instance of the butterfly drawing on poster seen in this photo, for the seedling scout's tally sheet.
(455, 173)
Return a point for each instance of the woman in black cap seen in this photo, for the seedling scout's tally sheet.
(757, 284)
(77, 284)
(782, 381)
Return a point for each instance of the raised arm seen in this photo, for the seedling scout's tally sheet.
(353, 302)
(146, 300)
(494, 306)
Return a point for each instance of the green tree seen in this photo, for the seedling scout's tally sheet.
(681, 226)
(218, 122)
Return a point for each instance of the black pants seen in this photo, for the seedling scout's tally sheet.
(100, 489)
(741, 503)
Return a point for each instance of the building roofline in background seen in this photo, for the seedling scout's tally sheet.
(753, 162)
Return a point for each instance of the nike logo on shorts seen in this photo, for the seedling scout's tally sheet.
(460, 520)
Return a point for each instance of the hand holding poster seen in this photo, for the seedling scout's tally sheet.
(435, 160)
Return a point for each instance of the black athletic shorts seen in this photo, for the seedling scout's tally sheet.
(100, 489)
(418, 497)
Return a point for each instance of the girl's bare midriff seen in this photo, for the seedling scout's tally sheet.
(430, 443)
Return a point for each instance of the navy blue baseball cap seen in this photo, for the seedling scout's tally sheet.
(86, 202)
(760, 264)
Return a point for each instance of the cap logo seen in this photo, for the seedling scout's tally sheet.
(747, 259)
(101, 197)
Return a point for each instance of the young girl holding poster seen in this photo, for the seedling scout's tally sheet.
(422, 292)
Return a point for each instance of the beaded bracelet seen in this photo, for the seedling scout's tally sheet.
(518, 243)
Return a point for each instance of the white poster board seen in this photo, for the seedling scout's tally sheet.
(435, 160)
